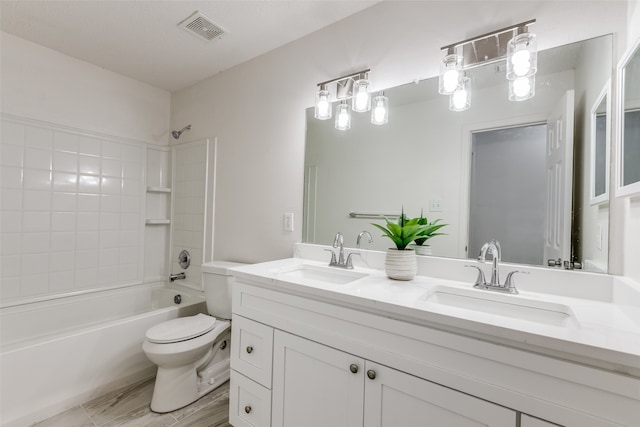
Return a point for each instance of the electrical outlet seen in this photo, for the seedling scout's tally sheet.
(288, 221)
(435, 205)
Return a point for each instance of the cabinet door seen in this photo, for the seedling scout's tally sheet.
(396, 399)
(315, 385)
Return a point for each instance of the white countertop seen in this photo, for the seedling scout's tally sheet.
(600, 333)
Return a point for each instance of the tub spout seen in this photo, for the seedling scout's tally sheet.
(178, 276)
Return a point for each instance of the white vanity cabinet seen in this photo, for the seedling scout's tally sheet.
(324, 362)
(318, 386)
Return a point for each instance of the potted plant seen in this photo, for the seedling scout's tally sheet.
(427, 233)
(400, 262)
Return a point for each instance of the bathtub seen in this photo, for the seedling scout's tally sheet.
(59, 353)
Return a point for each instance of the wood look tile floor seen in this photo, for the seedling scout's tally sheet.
(129, 407)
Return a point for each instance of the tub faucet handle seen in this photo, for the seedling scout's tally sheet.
(177, 276)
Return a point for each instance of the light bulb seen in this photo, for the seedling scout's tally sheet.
(450, 80)
(343, 117)
(521, 61)
(361, 101)
(380, 113)
(459, 99)
(521, 87)
(361, 98)
(323, 106)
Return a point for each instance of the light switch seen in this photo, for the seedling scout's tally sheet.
(288, 221)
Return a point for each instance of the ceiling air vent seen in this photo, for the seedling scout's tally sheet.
(201, 26)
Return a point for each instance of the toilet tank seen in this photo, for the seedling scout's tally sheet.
(217, 281)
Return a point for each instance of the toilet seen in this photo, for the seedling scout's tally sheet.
(192, 353)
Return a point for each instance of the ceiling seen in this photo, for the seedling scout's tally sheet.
(141, 38)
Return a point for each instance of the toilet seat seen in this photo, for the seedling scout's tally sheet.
(181, 329)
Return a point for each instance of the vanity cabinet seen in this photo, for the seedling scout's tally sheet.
(315, 361)
(318, 386)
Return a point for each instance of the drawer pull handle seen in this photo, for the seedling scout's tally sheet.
(247, 409)
(249, 349)
(371, 374)
(353, 368)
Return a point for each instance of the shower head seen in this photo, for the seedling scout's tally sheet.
(176, 133)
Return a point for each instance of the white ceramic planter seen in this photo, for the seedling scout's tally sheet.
(401, 265)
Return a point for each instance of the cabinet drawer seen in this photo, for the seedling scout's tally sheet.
(252, 349)
(249, 402)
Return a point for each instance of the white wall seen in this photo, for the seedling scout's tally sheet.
(42, 84)
(257, 108)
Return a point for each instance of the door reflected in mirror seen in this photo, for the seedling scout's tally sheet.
(422, 161)
(629, 78)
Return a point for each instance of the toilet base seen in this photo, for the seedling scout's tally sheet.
(177, 387)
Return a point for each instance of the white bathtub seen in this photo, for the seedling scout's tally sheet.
(59, 353)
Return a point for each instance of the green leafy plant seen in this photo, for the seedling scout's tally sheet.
(403, 232)
(429, 231)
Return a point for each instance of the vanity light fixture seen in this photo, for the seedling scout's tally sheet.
(354, 86)
(514, 43)
(343, 116)
(380, 110)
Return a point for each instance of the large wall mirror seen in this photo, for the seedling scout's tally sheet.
(629, 127)
(490, 163)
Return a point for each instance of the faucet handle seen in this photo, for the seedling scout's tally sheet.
(350, 261)
(510, 284)
(333, 257)
(480, 280)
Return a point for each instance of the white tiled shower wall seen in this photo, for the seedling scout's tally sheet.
(71, 208)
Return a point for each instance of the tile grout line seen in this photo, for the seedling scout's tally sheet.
(89, 416)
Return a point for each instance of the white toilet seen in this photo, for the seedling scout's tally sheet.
(192, 353)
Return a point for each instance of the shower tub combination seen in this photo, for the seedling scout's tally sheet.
(59, 353)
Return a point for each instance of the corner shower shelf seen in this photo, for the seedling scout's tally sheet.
(158, 221)
(158, 190)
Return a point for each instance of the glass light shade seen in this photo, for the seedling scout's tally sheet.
(361, 97)
(522, 56)
(522, 88)
(343, 116)
(380, 110)
(460, 100)
(450, 74)
(323, 106)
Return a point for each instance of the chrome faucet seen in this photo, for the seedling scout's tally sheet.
(178, 276)
(493, 248)
(338, 242)
(363, 233)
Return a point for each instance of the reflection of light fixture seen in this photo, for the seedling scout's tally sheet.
(522, 88)
(460, 99)
(380, 110)
(514, 43)
(355, 86)
(323, 105)
(343, 116)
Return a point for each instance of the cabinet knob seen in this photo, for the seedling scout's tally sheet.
(353, 368)
(247, 409)
(249, 349)
(371, 374)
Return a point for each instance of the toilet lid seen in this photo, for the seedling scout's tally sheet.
(181, 329)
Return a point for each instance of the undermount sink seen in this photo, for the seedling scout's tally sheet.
(515, 307)
(315, 274)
